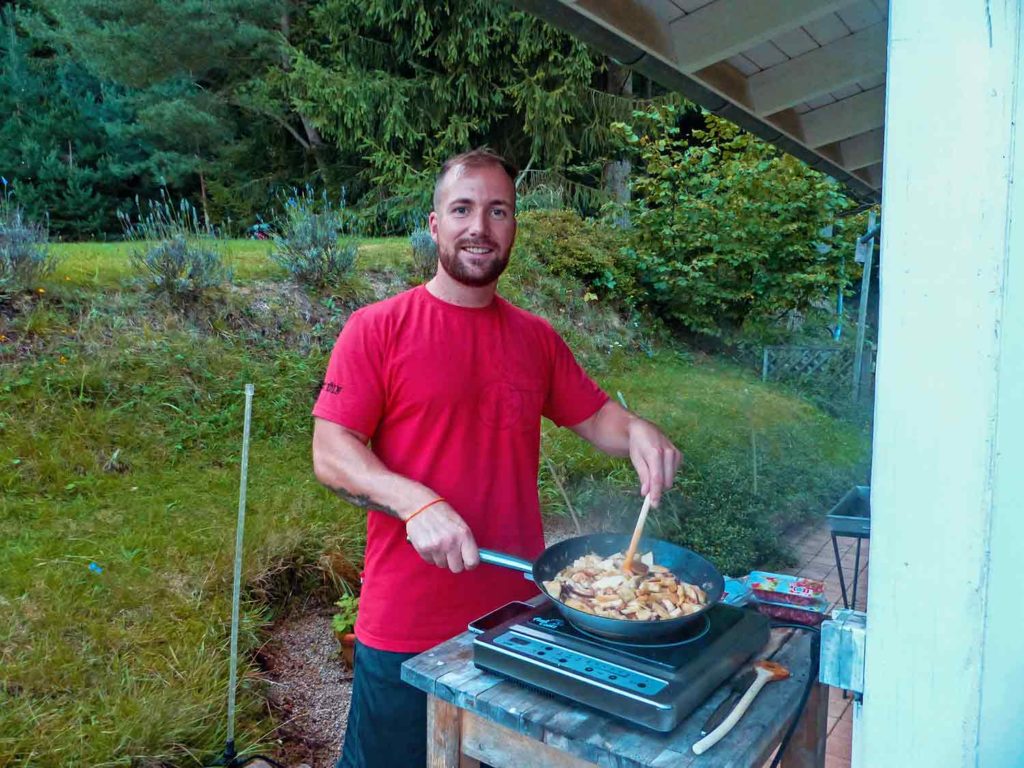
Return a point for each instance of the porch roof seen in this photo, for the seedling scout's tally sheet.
(806, 75)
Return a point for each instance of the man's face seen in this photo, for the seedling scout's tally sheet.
(474, 224)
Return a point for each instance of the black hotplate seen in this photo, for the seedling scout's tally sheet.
(653, 685)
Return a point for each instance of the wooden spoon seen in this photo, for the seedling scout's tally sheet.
(628, 565)
(767, 671)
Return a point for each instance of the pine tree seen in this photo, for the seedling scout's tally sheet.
(129, 96)
(51, 143)
(397, 86)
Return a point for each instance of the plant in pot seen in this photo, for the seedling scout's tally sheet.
(344, 623)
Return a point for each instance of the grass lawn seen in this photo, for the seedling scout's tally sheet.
(120, 432)
(107, 265)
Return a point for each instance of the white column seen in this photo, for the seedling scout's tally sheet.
(945, 659)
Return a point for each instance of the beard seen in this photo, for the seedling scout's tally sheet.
(461, 270)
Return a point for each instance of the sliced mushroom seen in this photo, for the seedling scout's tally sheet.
(598, 586)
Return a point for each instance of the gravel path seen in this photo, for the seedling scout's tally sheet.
(309, 688)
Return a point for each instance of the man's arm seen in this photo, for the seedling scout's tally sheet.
(617, 432)
(343, 463)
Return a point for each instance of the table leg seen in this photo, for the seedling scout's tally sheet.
(856, 573)
(807, 747)
(444, 734)
(839, 568)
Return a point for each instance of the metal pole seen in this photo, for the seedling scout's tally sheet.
(838, 332)
(229, 751)
(867, 247)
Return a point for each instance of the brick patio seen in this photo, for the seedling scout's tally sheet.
(816, 560)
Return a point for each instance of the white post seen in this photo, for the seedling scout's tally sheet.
(945, 655)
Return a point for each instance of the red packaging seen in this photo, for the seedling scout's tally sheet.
(782, 588)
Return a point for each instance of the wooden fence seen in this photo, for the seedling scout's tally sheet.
(828, 368)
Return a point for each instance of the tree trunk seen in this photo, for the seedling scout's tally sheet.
(317, 147)
(314, 141)
(615, 177)
(202, 195)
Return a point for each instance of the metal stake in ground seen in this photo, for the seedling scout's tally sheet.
(229, 748)
(230, 754)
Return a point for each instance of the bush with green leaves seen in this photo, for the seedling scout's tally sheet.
(313, 242)
(424, 253)
(724, 226)
(24, 256)
(180, 255)
(589, 251)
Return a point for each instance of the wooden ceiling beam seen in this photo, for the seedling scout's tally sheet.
(861, 151)
(727, 27)
(872, 175)
(817, 72)
(846, 118)
(632, 20)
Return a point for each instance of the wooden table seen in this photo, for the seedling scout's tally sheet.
(473, 715)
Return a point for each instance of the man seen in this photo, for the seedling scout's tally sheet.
(448, 382)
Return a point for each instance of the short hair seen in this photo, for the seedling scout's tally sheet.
(474, 158)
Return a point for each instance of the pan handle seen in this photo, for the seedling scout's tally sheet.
(503, 560)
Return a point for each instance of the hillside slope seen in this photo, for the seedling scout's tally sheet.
(120, 438)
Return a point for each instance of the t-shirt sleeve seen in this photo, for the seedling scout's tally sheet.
(353, 390)
(572, 395)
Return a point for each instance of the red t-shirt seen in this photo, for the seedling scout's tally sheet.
(451, 397)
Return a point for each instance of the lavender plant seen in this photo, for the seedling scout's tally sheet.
(424, 253)
(24, 255)
(180, 255)
(313, 242)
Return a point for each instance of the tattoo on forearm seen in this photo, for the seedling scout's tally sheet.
(365, 502)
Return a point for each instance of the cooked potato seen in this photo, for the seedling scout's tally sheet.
(599, 586)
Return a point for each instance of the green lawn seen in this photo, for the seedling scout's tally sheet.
(120, 436)
(106, 265)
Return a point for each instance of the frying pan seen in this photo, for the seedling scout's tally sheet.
(686, 564)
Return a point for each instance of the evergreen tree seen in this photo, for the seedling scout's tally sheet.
(116, 99)
(397, 86)
(51, 144)
(225, 102)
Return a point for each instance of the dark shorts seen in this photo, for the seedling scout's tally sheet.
(387, 719)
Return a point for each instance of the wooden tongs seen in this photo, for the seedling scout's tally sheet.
(628, 565)
(767, 672)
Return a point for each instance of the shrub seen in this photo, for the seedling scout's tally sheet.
(24, 256)
(180, 256)
(180, 268)
(724, 226)
(424, 254)
(310, 245)
(583, 250)
(598, 332)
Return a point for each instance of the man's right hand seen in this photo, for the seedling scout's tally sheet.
(442, 538)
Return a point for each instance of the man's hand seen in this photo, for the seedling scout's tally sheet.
(442, 538)
(655, 457)
(618, 432)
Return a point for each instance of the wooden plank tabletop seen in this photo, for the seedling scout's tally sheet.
(448, 673)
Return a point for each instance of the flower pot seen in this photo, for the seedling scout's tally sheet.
(347, 641)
